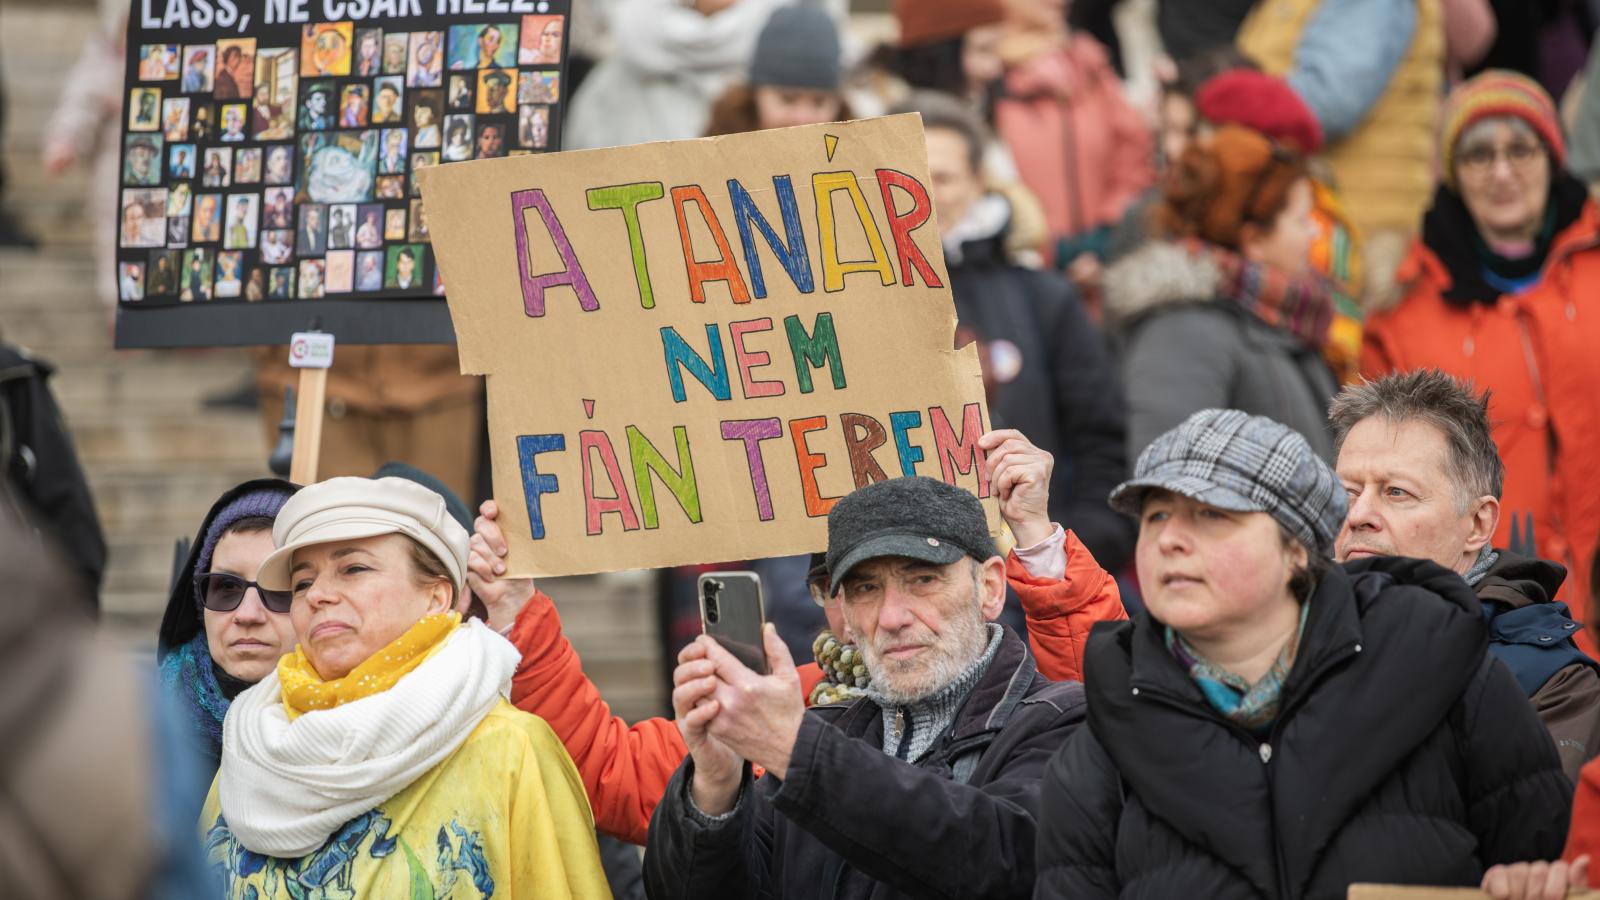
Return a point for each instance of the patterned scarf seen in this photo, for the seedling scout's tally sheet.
(304, 690)
(1301, 305)
(1254, 706)
(189, 675)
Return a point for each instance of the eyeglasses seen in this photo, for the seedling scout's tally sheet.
(221, 592)
(1478, 161)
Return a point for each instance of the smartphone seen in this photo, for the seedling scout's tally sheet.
(731, 612)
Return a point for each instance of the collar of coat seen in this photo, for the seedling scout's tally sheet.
(986, 710)
(1449, 241)
(1389, 645)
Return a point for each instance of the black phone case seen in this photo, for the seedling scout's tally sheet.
(740, 616)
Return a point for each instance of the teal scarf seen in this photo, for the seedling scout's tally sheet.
(1253, 706)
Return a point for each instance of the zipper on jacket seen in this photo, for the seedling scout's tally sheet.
(1264, 749)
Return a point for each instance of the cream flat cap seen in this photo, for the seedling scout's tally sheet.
(346, 509)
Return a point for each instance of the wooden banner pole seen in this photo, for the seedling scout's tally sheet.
(312, 353)
(308, 412)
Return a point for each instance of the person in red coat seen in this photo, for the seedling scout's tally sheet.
(626, 768)
(1501, 288)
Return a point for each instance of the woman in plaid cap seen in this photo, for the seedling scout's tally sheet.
(1278, 726)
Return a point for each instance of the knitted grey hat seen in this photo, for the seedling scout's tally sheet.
(798, 48)
(1235, 461)
(920, 518)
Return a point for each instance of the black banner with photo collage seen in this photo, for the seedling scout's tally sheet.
(269, 149)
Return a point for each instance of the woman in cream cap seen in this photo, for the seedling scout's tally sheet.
(381, 758)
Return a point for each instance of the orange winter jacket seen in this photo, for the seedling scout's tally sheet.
(1539, 354)
(1583, 835)
(625, 768)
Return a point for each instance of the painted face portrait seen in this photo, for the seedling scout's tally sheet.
(541, 41)
(280, 165)
(142, 161)
(394, 53)
(491, 142)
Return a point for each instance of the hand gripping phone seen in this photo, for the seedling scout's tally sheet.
(731, 612)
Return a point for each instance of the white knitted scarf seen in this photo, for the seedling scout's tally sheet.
(285, 787)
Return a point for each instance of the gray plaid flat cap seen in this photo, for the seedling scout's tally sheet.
(1233, 460)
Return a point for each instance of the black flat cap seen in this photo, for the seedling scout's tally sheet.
(919, 518)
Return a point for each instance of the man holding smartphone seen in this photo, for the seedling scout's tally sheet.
(929, 786)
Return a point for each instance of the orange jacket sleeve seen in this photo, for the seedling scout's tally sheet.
(1584, 834)
(625, 768)
(1060, 613)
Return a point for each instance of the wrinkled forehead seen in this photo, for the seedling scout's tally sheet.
(1383, 446)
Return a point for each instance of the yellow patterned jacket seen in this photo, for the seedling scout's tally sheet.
(505, 815)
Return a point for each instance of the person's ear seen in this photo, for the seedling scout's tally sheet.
(1485, 513)
(1299, 556)
(992, 585)
(440, 597)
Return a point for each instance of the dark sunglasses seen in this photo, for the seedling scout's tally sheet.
(221, 592)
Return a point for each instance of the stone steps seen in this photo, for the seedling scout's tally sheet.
(156, 459)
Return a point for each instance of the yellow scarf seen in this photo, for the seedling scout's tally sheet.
(304, 690)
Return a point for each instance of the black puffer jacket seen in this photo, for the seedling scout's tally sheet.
(1054, 379)
(1404, 754)
(851, 822)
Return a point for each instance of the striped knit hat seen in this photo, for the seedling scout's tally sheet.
(1497, 92)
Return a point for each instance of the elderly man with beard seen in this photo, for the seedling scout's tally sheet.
(928, 786)
(1424, 480)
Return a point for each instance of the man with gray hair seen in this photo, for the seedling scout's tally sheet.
(929, 785)
(1424, 479)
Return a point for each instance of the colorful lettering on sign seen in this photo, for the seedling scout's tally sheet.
(647, 460)
(723, 268)
(862, 435)
(814, 350)
(810, 461)
(745, 359)
(961, 455)
(823, 186)
(596, 506)
(752, 432)
(534, 482)
(791, 251)
(902, 224)
(910, 454)
(571, 273)
(626, 198)
(680, 355)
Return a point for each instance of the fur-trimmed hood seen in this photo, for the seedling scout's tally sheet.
(1158, 274)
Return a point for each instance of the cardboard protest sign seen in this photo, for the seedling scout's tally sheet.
(270, 151)
(694, 348)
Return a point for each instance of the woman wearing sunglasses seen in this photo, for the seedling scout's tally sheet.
(381, 757)
(221, 632)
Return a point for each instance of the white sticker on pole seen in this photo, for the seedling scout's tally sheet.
(311, 350)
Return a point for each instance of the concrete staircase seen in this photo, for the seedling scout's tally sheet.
(155, 458)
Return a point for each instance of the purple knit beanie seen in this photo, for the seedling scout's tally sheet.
(264, 501)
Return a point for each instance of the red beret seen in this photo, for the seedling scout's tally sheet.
(1263, 103)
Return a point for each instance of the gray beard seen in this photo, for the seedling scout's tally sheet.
(939, 666)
